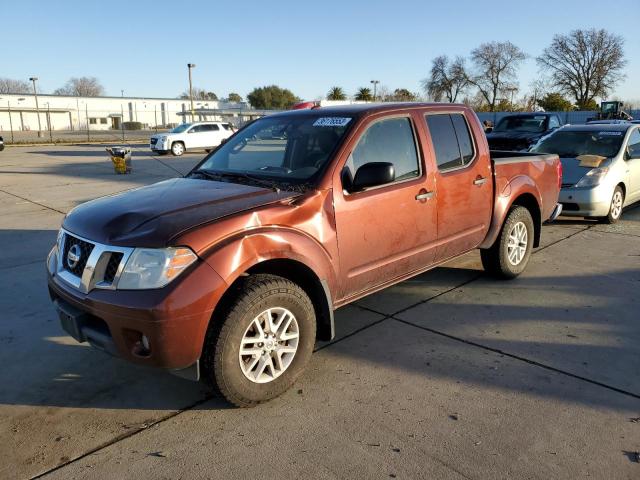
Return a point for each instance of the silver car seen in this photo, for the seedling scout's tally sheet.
(601, 168)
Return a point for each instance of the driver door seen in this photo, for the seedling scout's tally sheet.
(633, 166)
(384, 232)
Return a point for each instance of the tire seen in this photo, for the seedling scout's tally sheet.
(502, 259)
(615, 209)
(246, 380)
(177, 149)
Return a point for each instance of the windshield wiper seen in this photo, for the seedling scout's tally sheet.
(221, 175)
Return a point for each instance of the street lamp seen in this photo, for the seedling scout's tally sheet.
(375, 85)
(35, 94)
(191, 66)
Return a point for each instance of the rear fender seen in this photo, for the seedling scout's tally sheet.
(521, 190)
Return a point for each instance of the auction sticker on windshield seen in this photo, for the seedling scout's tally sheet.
(610, 134)
(331, 122)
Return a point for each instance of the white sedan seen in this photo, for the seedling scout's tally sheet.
(191, 136)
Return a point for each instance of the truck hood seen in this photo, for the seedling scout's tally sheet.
(151, 216)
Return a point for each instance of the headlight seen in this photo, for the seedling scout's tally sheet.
(593, 177)
(154, 268)
(163, 139)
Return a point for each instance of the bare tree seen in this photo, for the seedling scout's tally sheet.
(9, 85)
(447, 79)
(200, 94)
(81, 87)
(495, 66)
(585, 63)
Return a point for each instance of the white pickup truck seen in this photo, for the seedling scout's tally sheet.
(191, 136)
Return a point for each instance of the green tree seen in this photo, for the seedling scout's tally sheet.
(271, 97)
(555, 102)
(403, 95)
(336, 93)
(234, 97)
(588, 105)
(364, 94)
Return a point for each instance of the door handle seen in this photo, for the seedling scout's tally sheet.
(479, 180)
(424, 196)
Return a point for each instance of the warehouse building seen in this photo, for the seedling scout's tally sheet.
(19, 112)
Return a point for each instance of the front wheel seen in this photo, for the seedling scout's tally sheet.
(615, 209)
(177, 148)
(261, 343)
(509, 255)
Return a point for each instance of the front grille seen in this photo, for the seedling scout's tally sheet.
(112, 267)
(153, 141)
(85, 250)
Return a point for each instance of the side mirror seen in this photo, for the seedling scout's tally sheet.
(373, 174)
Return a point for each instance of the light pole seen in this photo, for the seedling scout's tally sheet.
(375, 85)
(35, 94)
(191, 66)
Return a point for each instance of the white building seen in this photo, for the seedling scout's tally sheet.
(18, 112)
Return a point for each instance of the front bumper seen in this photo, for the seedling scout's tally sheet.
(585, 202)
(174, 319)
(159, 146)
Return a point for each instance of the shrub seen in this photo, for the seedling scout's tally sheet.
(132, 125)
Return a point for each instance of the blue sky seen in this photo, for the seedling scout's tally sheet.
(143, 46)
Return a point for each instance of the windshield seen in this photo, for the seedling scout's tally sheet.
(283, 149)
(534, 124)
(571, 144)
(181, 128)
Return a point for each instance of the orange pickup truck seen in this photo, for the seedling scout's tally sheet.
(231, 273)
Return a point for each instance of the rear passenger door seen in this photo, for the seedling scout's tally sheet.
(388, 231)
(212, 136)
(464, 182)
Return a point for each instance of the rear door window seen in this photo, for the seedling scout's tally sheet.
(445, 141)
(634, 142)
(389, 140)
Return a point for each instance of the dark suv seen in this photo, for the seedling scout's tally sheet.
(521, 131)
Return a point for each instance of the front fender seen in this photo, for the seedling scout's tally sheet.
(507, 193)
(237, 255)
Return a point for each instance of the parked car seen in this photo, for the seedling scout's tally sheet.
(1, 144)
(231, 273)
(608, 178)
(191, 136)
(521, 131)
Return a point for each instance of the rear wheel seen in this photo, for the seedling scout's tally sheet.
(177, 148)
(509, 255)
(262, 342)
(615, 209)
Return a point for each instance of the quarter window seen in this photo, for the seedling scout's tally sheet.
(554, 122)
(391, 141)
